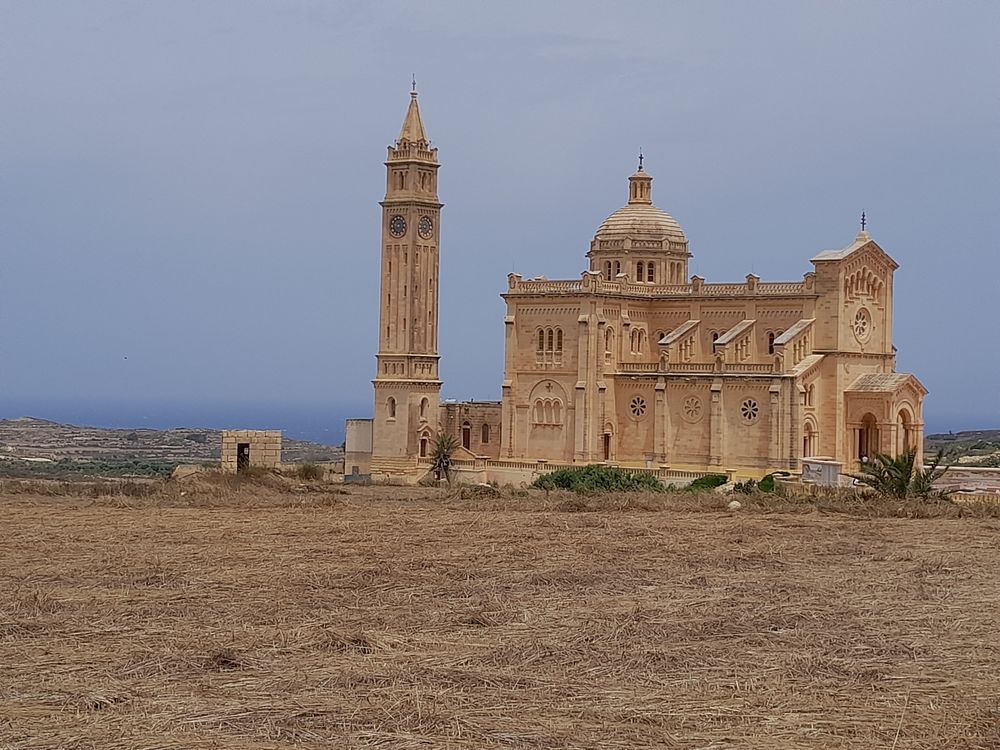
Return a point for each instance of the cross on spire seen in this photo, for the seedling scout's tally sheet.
(864, 221)
(413, 82)
(640, 158)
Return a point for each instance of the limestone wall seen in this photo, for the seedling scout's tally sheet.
(265, 448)
(475, 422)
(358, 447)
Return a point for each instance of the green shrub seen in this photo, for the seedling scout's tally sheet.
(707, 482)
(598, 478)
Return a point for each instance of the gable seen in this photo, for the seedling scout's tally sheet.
(862, 250)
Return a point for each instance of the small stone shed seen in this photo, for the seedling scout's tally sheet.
(242, 449)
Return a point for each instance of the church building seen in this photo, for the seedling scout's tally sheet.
(636, 363)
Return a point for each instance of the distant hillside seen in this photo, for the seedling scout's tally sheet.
(970, 448)
(35, 445)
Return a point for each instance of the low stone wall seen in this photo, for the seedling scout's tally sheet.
(970, 478)
(481, 471)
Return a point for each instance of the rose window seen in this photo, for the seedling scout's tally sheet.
(691, 408)
(749, 410)
(637, 406)
(862, 325)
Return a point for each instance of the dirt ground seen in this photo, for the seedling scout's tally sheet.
(390, 618)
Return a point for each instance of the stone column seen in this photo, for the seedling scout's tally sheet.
(507, 413)
(581, 414)
(775, 443)
(661, 415)
(716, 425)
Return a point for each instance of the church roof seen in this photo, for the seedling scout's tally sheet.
(737, 330)
(640, 219)
(877, 382)
(679, 331)
(860, 241)
(806, 364)
(793, 331)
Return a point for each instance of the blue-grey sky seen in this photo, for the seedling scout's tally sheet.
(189, 188)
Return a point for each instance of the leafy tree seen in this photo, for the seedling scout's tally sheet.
(900, 476)
(444, 446)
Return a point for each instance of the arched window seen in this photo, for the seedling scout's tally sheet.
(484, 437)
(541, 339)
(390, 408)
(618, 267)
(770, 343)
(466, 435)
(424, 403)
(607, 270)
(556, 412)
(539, 413)
(906, 431)
(559, 339)
(809, 447)
(649, 272)
(640, 271)
(609, 340)
(551, 342)
(423, 447)
(715, 336)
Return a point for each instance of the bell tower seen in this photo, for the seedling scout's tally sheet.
(407, 388)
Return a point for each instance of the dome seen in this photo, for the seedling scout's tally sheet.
(640, 219)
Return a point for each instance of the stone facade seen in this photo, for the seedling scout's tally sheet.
(250, 448)
(634, 362)
(631, 364)
(476, 425)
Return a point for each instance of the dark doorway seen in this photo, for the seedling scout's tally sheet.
(242, 457)
(466, 435)
(868, 438)
(607, 446)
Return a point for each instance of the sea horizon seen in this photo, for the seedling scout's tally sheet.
(321, 423)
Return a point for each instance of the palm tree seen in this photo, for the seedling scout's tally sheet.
(444, 446)
(900, 476)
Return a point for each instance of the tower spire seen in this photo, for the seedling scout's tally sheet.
(413, 127)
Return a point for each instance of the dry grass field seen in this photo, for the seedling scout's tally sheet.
(226, 616)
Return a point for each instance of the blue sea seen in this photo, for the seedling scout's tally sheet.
(319, 423)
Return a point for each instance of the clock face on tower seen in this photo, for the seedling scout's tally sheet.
(397, 226)
(426, 227)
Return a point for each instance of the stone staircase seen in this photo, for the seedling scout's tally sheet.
(400, 470)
